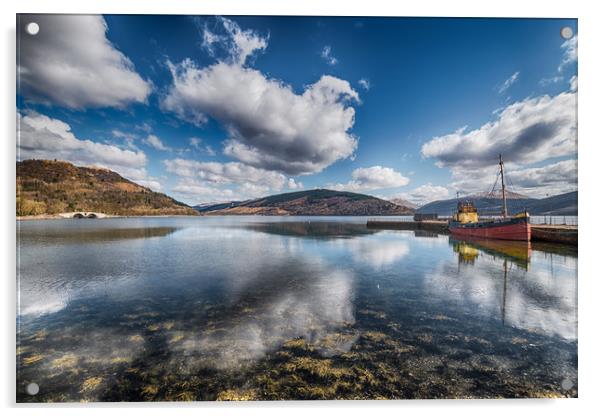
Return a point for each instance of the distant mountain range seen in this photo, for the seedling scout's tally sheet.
(564, 204)
(403, 202)
(52, 187)
(497, 194)
(312, 202)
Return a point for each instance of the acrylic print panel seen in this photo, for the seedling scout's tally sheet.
(269, 208)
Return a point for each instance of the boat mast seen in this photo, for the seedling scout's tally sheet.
(505, 290)
(504, 207)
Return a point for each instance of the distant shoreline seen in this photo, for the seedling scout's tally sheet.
(59, 217)
(62, 217)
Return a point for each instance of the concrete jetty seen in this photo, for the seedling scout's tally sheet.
(436, 226)
(564, 234)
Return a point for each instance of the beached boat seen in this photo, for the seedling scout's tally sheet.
(465, 221)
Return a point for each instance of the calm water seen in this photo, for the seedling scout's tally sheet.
(288, 308)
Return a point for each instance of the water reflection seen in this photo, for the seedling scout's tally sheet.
(52, 236)
(293, 301)
(213, 308)
(425, 234)
(378, 251)
(58, 264)
(518, 252)
(502, 285)
(312, 229)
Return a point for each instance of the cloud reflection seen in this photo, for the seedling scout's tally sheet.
(313, 306)
(381, 251)
(542, 299)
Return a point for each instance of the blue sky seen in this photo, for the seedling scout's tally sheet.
(212, 108)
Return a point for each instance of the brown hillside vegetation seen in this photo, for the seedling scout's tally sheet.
(313, 202)
(51, 187)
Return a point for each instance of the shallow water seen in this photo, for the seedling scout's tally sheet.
(260, 308)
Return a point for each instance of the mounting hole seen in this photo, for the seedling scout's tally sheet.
(32, 28)
(32, 389)
(566, 32)
(566, 384)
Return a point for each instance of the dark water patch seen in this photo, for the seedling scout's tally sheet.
(312, 229)
(53, 236)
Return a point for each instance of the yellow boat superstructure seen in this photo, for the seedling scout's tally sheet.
(466, 213)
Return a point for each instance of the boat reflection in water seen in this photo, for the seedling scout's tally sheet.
(518, 252)
(539, 300)
(467, 253)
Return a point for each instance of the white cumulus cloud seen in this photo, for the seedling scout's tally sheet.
(215, 181)
(293, 184)
(42, 137)
(221, 173)
(72, 63)
(536, 182)
(199, 192)
(270, 126)
(151, 184)
(527, 131)
(375, 177)
(559, 175)
(424, 194)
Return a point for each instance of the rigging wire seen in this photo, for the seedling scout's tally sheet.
(511, 184)
(497, 177)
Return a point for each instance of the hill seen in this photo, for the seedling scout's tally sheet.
(205, 208)
(52, 187)
(403, 203)
(564, 204)
(312, 202)
(497, 194)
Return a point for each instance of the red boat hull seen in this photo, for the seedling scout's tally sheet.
(513, 229)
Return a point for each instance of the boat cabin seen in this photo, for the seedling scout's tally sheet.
(466, 213)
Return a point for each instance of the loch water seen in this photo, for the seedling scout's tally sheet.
(272, 308)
